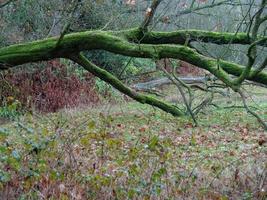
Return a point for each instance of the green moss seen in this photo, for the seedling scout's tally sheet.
(180, 36)
(74, 43)
(116, 83)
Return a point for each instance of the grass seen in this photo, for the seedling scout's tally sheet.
(132, 151)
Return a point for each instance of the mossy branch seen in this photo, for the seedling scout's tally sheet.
(71, 45)
(116, 83)
(180, 37)
(90, 40)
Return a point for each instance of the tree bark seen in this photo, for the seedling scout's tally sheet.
(181, 36)
(74, 43)
(133, 43)
(116, 83)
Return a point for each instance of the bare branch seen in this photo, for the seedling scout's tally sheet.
(252, 50)
(73, 8)
(192, 9)
(264, 125)
(150, 14)
(182, 94)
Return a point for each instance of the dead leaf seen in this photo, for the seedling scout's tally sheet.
(143, 129)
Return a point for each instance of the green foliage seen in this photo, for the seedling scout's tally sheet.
(108, 61)
(28, 19)
(11, 111)
(96, 15)
(120, 65)
(102, 87)
(144, 64)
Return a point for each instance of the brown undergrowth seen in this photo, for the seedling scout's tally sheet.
(130, 151)
(50, 88)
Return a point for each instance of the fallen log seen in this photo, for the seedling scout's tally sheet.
(165, 81)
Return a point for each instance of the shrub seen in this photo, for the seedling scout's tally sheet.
(10, 109)
(49, 89)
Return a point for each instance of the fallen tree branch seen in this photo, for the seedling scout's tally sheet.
(165, 81)
(139, 75)
(116, 83)
(73, 44)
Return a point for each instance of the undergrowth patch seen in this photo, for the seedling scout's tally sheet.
(50, 88)
(131, 151)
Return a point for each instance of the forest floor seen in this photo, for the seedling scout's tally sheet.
(132, 151)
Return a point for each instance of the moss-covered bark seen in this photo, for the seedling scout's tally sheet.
(45, 49)
(116, 83)
(181, 36)
(155, 45)
(74, 43)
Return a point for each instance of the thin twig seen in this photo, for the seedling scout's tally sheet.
(188, 107)
(264, 125)
(68, 24)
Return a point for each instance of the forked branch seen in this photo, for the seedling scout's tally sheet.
(116, 83)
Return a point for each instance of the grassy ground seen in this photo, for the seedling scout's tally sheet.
(132, 151)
